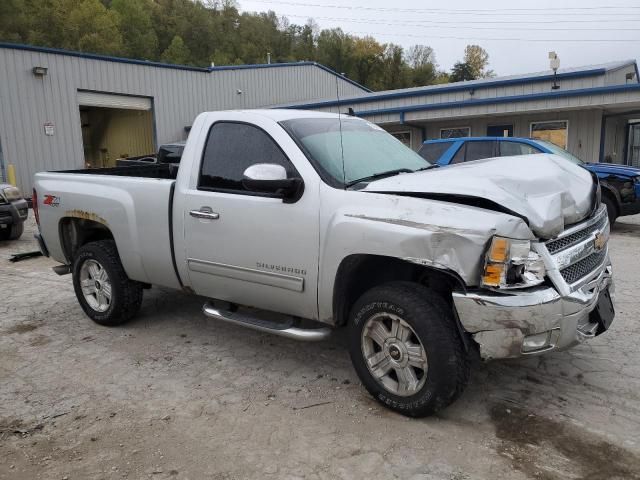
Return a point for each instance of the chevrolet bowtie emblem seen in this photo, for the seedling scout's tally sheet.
(600, 241)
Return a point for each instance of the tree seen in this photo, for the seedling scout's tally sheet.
(395, 69)
(177, 52)
(474, 65)
(335, 50)
(461, 72)
(420, 55)
(89, 27)
(138, 35)
(367, 58)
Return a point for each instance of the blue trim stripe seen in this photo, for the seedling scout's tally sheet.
(499, 100)
(454, 87)
(94, 56)
(108, 58)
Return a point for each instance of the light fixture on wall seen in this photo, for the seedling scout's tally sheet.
(40, 71)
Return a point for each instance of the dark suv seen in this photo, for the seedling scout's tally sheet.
(13, 212)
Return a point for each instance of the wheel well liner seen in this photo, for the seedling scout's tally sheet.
(360, 272)
(76, 232)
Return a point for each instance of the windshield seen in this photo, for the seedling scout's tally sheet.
(368, 150)
(560, 151)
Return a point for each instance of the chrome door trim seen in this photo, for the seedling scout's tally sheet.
(245, 274)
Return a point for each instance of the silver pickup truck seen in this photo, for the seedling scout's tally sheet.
(297, 223)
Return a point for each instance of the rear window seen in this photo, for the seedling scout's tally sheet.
(433, 151)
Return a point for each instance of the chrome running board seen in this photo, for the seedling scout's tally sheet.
(277, 328)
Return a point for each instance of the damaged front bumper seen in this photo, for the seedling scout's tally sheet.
(534, 321)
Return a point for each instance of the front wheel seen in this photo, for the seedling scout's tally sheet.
(102, 287)
(406, 349)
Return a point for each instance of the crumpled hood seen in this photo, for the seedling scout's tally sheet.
(546, 189)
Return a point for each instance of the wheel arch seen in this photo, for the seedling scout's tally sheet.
(76, 232)
(609, 192)
(358, 273)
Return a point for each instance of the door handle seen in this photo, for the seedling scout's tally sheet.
(205, 213)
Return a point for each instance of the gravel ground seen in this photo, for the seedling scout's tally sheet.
(175, 395)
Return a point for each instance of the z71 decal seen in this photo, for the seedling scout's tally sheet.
(51, 200)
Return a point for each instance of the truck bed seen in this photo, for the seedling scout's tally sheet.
(134, 203)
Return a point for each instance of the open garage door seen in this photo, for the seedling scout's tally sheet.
(115, 126)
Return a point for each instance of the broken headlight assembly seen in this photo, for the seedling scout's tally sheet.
(512, 263)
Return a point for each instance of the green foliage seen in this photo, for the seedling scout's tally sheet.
(201, 32)
(474, 65)
(177, 52)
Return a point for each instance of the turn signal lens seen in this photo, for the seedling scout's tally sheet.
(499, 251)
(493, 274)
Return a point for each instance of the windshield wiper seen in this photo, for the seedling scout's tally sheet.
(375, 176)
(428, 167)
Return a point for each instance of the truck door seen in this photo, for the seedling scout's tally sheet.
(249, 248)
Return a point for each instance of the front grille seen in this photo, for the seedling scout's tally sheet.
(555, 246)
(5, 214)
(584, 267)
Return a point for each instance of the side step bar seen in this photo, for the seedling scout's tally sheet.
(282, 329)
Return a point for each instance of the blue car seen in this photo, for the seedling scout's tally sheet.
(620, 183)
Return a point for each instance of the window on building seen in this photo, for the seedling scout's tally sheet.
(233, 147)
(556, 132)
(479, 150)
(509, 149)
(433, 151)
(456, 132)
(404, 137)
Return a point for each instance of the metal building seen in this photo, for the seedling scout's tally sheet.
(593, 111)
(61, 109)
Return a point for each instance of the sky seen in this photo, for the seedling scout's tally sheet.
(517, 35)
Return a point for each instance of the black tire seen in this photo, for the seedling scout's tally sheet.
(12, 232)
(126, 294)
(432, 322)
(612, 209)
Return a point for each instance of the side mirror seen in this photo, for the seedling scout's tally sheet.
(271, 178)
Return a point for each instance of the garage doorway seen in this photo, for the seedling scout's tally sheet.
(115, 126)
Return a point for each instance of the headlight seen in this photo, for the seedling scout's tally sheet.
(511, 263)
(11, 193)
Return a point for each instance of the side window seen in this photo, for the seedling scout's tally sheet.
(479, 150)
(459, 156)
(233, 147)
(509, 149)
(432, 152)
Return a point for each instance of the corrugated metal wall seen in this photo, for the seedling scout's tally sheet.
(27, 102)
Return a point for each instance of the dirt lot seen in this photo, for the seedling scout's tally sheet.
(174, 395)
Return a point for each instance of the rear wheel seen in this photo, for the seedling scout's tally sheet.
(12, 232)
(101, 285)
(612, 209)
(406, 349)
